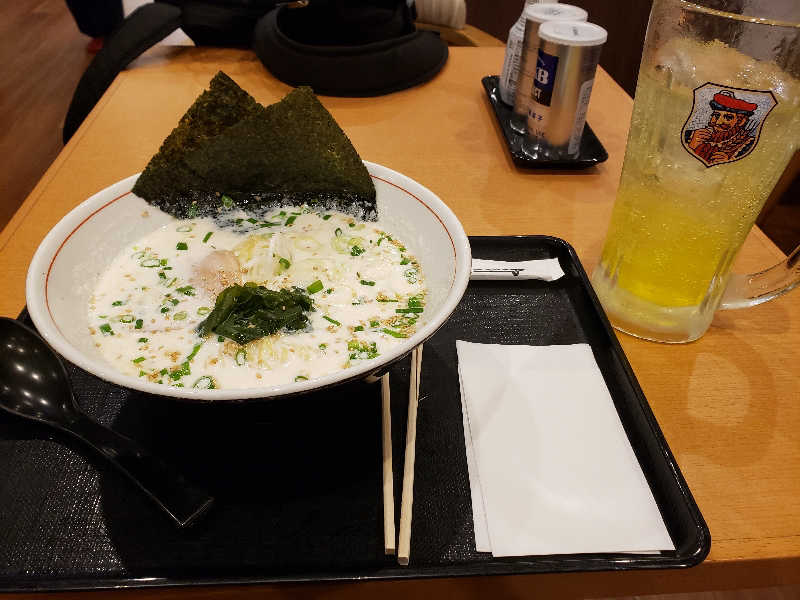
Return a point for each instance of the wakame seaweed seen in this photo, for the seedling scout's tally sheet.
(248, 312)
(229, 151)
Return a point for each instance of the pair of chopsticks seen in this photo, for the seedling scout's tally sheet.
(407, 500)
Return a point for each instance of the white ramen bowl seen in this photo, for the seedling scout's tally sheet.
(73, 256)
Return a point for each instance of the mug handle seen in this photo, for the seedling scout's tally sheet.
(748, 290)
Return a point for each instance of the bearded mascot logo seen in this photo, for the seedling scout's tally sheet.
(725, 123)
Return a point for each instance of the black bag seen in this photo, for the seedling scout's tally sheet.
(338, 47)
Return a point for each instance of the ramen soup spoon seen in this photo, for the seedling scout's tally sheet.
(34, 385)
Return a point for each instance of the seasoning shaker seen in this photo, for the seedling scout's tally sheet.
(566, 64)
(513, 56)
(535, 15)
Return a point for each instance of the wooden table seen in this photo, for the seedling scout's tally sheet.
(729, 404)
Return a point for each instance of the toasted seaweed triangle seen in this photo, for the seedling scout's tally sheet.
(167, 181)
(292, 152)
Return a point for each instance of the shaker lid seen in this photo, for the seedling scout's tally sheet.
(573, 33)
(543, 12)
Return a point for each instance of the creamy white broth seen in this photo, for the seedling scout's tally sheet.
(147, 305)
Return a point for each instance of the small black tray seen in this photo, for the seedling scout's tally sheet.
(298, 480)
(590, 153)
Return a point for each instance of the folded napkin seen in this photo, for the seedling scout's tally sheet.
(551, 468)
(547, 269)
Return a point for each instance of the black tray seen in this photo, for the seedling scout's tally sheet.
(298, 480)
(590, 153)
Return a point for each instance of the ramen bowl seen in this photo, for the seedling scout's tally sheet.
(77, 251)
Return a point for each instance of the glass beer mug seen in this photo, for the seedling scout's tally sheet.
(716, 119)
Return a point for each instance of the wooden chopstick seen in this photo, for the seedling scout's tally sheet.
(407, 500)
(389, 540)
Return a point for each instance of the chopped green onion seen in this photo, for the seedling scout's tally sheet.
(162, 275)
(414, 309)
(362, 350)
(126, 319)
(239, 221)
(163, 262)
(356, 250)
(207, 236)
(186, 290)
(363, 282)
(290, 220)
(163, 371)
(326, 217)
(142, 373)
(194, 351)
(150, 263)
(402, 248)
(241, 357)
(138, 360)
(174, 301)
(323, 346)
(380, 239)
(106, 329)
(396, 334)
(284, 263)
(142, 340)
(181, 246)
(220, 338)
(352, 224)
(184, 228)
(301, 378)
(374, 323)
(117, 303)
(329, 291)
(358, 328)
(203, 310)
(179, 316)
(252, 220)
(204, 383)
(178, 373)
(334, 321)
(138, 324)
(165, 309)
(314, 287)
(405, 260)
(227, 201)
(338, 232)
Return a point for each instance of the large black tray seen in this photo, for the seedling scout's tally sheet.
(590, 151)
(298, 481)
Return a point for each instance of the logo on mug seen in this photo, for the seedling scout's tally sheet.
(725, 123)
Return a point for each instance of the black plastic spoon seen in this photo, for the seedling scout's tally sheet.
(34, 385)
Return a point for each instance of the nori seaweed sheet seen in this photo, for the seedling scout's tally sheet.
(166, 179)
(291, 152)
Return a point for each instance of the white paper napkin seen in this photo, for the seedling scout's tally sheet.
(547, 269)
(551, 465)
